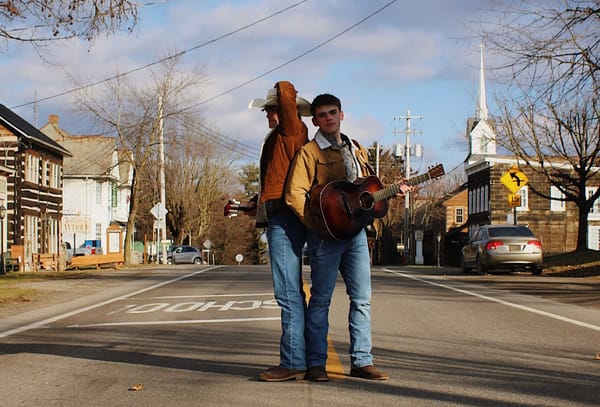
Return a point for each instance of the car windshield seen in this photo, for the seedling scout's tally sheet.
(510, 231)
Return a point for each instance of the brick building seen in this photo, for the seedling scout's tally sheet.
(554, 222)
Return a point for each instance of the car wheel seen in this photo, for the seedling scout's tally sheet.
(463, 265)
(537, 270)
(197, 260)
(481, 268)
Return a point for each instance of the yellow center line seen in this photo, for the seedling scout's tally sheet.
(334, 364)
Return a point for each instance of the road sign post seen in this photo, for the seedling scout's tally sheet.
(514, 179)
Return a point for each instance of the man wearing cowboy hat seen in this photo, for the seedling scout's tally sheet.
(286, 234)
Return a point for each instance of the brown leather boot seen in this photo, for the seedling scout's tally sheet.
(281, 374)
(369, 372)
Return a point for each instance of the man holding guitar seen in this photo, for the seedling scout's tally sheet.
(332, 156)
(286, 235)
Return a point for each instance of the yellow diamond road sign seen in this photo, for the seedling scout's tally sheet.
(514, 179)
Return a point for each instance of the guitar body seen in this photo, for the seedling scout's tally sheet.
(347, 207)
(344, 208)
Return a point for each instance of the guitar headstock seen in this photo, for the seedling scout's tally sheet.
(436, 171)
(231, 208)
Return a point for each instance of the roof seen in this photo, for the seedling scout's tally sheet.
(22, 128)
(92, 156)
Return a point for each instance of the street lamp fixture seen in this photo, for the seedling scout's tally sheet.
(2, 215)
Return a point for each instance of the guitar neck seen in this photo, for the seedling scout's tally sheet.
(233, 207)
(393, 189)
(240, 208)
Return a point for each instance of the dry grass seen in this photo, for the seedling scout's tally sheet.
(16, 294)
(574, 264)
(12, 289)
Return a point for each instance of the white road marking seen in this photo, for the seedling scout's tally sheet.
(191, 321)
(47, 321)
(499, 301)
(170, 297)
(168, 307)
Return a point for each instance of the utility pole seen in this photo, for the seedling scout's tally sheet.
(407, 132)
(377, 150)
(162, 221)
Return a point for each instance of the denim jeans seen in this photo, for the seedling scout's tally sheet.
(351, 258)
(286, 236)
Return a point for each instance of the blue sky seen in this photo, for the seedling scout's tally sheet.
(421, 57)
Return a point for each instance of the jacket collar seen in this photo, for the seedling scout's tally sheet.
(323, 143)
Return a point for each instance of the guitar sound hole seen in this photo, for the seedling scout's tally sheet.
(366, 200)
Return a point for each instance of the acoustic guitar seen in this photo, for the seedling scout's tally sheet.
(347, 207)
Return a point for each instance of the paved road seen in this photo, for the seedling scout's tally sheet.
(199, 336)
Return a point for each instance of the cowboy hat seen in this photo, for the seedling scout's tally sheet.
(271, 100)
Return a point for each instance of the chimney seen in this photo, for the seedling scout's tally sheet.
(53, 119)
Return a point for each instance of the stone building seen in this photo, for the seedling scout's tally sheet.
(554, 222)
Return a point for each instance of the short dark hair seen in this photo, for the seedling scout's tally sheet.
(324, 99)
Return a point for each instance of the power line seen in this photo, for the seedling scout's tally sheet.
(140, 68)
(320, 45)
(226, 142)
(303, 54)
(218, 138)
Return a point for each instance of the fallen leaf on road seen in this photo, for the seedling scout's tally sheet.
(136, 387)
(597, 356)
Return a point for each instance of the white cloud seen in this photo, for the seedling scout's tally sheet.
(381, 68)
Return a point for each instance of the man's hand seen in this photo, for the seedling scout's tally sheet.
(252, 204)
(404, 188)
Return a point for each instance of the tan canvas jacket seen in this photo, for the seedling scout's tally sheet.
(317, 164)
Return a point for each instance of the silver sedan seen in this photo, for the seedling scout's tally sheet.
(502, 247)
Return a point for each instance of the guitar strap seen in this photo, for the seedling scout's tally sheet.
(363, 158)
(372, 228)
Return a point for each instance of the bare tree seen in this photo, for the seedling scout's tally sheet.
(40, 21)
(131, 112)
(199, 173)
(550, 119)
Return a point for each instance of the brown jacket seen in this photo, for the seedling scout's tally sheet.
(317, 164)
(281, 144)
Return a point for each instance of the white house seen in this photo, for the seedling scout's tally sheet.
(96, 185)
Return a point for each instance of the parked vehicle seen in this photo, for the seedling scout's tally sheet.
(89, 247)
(68, 252)
(158, 258)
(502, 247)
(185, 255)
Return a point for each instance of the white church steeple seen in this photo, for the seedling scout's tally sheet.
(482, 111)
(481, 130)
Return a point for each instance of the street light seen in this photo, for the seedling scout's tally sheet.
(2, 215)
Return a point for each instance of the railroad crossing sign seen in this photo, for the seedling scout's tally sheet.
(514, 179)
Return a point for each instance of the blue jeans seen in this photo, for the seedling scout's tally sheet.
(286, 236)
(351, 258)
